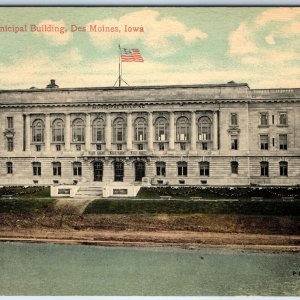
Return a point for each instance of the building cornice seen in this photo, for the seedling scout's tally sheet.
(141, 103)
(122, 88)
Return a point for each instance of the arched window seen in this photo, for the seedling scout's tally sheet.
(161, 130)
(182, 168)
(77, 169)
(264, 168)
(119, 130)
(9, 167)
(140, 170)
(56, 166)
(182, 129)
(160, 168)
(58, 129)
(119, 170)
(36, 168)
(78, 130)
(204, 168)
(98, 130)
(38, 131)
(204, 129)
(283, 168)
(234, 167)
(140, 130)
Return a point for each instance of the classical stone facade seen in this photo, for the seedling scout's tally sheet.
(225, 134)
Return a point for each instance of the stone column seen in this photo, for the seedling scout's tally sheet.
(88, 132)
(108, 132)
(27, 133)
(215, 131)
(172, 131)
(150, 131)
(67, 132)
(193, 132)
(129, 131)
(47, 132)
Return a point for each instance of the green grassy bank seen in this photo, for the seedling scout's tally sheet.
(241, 193)
(25, 192)
(275, 208)
(26, 200)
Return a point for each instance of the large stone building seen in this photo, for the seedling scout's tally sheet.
(213, 134)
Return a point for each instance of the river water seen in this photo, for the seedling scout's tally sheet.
(49, 269)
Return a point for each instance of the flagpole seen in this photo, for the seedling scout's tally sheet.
(120, 66)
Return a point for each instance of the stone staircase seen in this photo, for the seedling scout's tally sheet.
(89, 192)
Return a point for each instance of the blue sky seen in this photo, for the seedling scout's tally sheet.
(259, 46)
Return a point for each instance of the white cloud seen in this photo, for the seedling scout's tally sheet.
(156, 35)
(54, 31)
(282, 14)
(280, 40)
(241, 41)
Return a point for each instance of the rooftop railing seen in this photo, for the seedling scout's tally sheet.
(274, 91)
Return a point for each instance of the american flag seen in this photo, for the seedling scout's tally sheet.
(131, 55)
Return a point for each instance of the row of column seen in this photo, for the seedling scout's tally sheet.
(108, 132)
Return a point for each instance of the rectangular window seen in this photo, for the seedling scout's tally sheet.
(119, 134)
(264, 142)
(37, 169)
(283, 168)
(38, 148)
(58, 147)
(264, 119)
(10, 122)
(182, 169)
(234, 142)
(160, 169)
(204, 146)
(161, 146)
(233, 119)
(273, 142)
(10, 144)
(204, 168)
(283, 142)
(182, 146)
(119, 146)
(99, 135)
(140, 133)
(273, 119)
(57, 169)
(264, 168)
(234, 167)
(77, 170)
(9, 167)
(283, 118)
(140, 147)
(78, 147)
(98, 147)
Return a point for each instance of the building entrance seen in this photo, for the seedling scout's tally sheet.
(119, 171)
(139, 170)
(98, 171)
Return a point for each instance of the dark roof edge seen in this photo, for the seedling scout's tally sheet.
(127, 87)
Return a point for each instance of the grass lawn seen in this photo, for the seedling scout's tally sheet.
(276, 208)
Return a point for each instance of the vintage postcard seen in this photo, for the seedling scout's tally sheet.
(149, 151)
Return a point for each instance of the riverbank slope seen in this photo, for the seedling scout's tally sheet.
(192, 230)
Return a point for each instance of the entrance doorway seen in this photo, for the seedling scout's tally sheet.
(98, 171)
(119, 170)
(139, 170)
